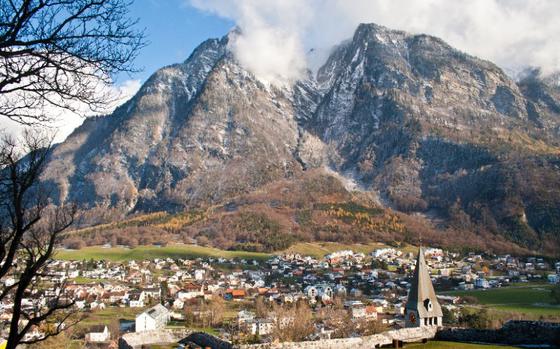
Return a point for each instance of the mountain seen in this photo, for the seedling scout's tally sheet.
(395, 122)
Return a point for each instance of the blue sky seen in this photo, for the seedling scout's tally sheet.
(278, 34)
(173, 30)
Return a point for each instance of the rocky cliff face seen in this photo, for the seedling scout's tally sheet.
(420, 125)
(195, 133)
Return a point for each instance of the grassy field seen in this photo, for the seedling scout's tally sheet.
(320, 249)
(526, 299)
(317, 250)
(455, 345)
(105, 316)
(80, 280)
(151, 252)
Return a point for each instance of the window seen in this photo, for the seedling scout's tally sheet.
(428, 304)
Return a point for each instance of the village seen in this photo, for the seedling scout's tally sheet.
(344, 294)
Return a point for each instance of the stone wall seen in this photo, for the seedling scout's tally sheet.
(136, 340)
(205, 340)
(513, 333)
(375, 341)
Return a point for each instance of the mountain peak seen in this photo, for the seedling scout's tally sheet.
(407, 118)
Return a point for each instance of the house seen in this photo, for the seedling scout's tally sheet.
(340, 290)
(96, 305)
(116, 297)
(178, 304)
(481, 283)
(244, 317)
(152, 319)
(72, 274)
(261, 327)
(98, 333)
(136, 299)
(321, 291)
(190, 291)
(358, 311)
(199, 274)
(152, 292)
(371, 312)
(232, 294)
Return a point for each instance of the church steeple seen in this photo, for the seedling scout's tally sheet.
(422, 307)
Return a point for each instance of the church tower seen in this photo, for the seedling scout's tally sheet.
(422, 308)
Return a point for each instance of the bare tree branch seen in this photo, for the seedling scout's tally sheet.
(29, 234)
(59, 52)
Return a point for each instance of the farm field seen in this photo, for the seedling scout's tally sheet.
(316, 250)
(320, 249)
(151, 252)
(532, 299)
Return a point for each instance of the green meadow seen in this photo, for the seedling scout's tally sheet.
(151, 252)
(320, 249)
(317, 250)
(105, 316)
(528, 299)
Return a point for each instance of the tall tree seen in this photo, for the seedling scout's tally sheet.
(29, 231)
(292, 323)
(60, 53)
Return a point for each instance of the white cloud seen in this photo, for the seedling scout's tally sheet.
(269, 44)
(277, 33)
(64, 121)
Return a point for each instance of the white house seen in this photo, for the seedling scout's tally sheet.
(340, 290)
(322, 291)
(245, 317)
(190, 291)
(96, 305)
(481, 283)
(199, 274)
(154, 318)
(136, 299)
(261, 327)
(358, 311)
(152, 292)
(178, 304)
(73, 273)
(99, 334)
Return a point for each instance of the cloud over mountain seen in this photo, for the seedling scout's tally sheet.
(63, 121)
(277, 35)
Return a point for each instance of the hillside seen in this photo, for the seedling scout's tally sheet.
(289, 215)
(397, 135)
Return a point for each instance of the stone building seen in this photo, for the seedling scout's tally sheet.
(422, 308)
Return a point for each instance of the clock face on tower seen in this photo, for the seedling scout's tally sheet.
(412, 318)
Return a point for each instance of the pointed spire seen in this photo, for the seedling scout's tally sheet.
(422, 296)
